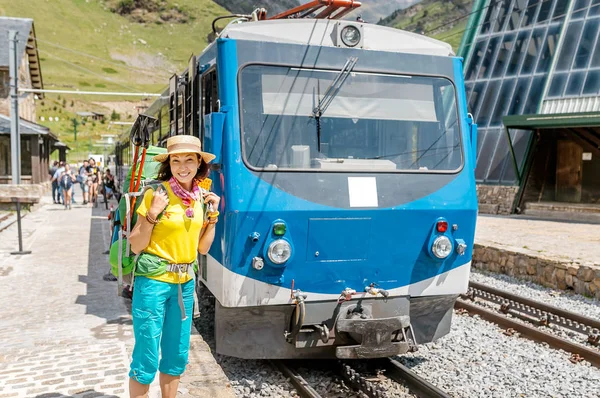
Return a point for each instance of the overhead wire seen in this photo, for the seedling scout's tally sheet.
(462, 17)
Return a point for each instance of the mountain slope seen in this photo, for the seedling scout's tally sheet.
(83, 45)
(130, 56)
(374, 10)
(273, 7)
(441, 19)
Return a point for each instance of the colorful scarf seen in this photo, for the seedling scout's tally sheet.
(188, 198)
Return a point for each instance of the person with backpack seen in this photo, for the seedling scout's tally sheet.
(55, 193)
(83, 183)
(175, 222)
(66, 181)
(56, 178)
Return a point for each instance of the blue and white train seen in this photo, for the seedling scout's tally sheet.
(345, 163)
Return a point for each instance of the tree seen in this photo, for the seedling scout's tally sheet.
(115, 116)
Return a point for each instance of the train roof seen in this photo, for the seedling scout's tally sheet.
(321, 32)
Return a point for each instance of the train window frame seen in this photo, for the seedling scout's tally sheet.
(461, 120)
(206, 105)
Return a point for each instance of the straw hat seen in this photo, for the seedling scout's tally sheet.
(184, 144)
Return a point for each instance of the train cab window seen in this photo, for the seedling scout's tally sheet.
(209, 97)
(374, 122)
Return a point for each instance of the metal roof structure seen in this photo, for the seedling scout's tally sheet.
(26, 128)
(26, 45)
(562, 120)
(529, 58)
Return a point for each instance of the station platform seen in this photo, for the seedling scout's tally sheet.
(64, 331)
(562, 255)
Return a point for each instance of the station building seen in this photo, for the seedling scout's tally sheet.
(532, 72)
(37, 142)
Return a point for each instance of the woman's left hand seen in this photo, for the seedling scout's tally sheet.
(213, 199)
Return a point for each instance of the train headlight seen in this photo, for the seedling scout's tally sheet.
(350, 36)
(279, 251)
(442, 247)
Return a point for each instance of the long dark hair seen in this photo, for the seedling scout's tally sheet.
(165, 174)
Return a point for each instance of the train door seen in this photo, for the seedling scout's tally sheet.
(208, 103)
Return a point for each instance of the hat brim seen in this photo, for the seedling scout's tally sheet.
(208, 157)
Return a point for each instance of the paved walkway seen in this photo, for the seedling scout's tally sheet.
(551, 239)
(63, 330)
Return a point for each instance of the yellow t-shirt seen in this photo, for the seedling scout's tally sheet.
(175, 238)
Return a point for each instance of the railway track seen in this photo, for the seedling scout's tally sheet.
(393, 370)
(537, 314)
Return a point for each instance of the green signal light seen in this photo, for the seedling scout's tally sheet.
(279, 229)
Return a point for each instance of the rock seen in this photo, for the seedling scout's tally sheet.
(560, 265)
(572, 269)
(560, 276)
(569, 280)
(586, 274)
(531, 270)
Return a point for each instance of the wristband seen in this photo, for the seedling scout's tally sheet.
(151, 220)
(212, 214)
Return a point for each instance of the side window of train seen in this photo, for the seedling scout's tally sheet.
(209, 97)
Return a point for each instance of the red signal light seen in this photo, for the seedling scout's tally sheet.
(442, 226)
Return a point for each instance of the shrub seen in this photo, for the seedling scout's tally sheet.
(109, 70)
(114, 116)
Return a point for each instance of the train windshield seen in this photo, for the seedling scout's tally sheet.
(374, 122)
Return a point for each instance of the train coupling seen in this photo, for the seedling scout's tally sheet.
(379, 337)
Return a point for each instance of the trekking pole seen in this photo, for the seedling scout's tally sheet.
(136, 140)
(145, 142)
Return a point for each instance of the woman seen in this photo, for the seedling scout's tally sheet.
(172, 227)
(108, 183)
(66, 183)
(93, 171)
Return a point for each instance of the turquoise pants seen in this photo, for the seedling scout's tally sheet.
(158, 327)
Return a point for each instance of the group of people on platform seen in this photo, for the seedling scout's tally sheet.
(90, 178)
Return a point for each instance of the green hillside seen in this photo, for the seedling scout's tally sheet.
(441, 19)
(273, 7)
(90, 45)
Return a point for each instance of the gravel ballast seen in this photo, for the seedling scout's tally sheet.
(567, 300)
(476, 359)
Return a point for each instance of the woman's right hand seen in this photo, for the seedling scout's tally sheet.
(160, 200)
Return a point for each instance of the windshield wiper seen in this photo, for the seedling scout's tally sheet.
(330, 94)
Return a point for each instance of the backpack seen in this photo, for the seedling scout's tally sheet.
(65, 181)
(121, 258)
(119, 250)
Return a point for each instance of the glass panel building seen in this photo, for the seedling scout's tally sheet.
(532, 72)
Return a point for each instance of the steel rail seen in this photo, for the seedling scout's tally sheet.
(419, 386)
(301, 385)
(574, 317)
(360, 383)
(531, 332)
